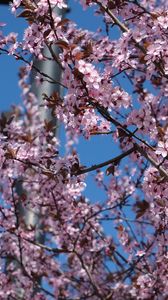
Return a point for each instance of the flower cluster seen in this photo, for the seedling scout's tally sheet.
(54, 240)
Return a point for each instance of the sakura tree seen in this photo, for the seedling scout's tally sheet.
(79, 258)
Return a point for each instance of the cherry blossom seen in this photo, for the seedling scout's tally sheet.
(57, 240)
(162, 148)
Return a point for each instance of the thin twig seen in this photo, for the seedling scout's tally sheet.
(19, 57)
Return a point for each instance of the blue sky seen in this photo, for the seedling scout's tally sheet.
(9, 67)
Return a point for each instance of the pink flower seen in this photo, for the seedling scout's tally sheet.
(91, 76)
(140, 253)
(59, 3)
(162, 148)
(15, 5)
(2, 24)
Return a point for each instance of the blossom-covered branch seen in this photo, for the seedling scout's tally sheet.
(110, 243)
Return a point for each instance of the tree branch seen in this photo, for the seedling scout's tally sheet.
(110, 161)
(161, 170)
